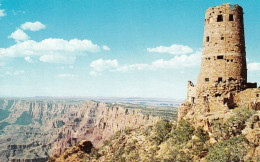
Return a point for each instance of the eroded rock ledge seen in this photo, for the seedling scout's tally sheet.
(34, 130)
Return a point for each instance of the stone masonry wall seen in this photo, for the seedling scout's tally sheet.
(224, 54)
(249, 98)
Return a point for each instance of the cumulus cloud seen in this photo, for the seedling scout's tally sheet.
(106, 48)
(33, 26)
(58, 59)
(174, 49)
(2, 13)
(19, 35)
(51, 50)
(253, 66)
(28, 59)
(126, 68)
(177, 62)
(102, 65)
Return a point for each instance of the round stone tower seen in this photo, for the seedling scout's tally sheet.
(223, 62)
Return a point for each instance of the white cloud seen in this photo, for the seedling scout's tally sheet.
(58, 59)
(67, 75)
(106, 48)
(126, 68)
(112, 65)
(28, 59)
(173, 49)
(51, 50)
(253, 66)
(102, 65)
(18, 72)
(33, 26)
(177, 62)
(2, 13)
(19, 35)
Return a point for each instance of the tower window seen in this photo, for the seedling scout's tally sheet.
(220, 18)
(193, 100)
(231, 17)
(220, 57)
(207, 39)
(206, 79)
(222, 38)
(217, 95)
(219, 79)
(257, 95)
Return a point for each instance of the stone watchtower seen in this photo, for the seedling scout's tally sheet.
(222, 82)
(223, 62)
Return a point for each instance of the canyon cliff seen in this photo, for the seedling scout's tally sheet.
(36, 129)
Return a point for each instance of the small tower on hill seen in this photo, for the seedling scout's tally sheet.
(223, 61)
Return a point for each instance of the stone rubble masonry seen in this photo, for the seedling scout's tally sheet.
(224, 56)
(222, 81)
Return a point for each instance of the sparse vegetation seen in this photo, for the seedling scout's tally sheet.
(182, 141)
(233, 149)
(234, 125)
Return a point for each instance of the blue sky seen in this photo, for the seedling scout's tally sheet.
(115, 48)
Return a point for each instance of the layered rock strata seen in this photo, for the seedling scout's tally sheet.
(34, 130)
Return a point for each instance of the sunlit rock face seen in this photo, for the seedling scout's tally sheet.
(34, 130)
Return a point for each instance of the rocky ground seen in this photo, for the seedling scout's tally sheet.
(36, 129)
(233, 135)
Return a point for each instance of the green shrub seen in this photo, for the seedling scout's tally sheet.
(127, 130)
(147, 131)
(233, 149)
(234, 125)
(238, 120)
(162, 129)
(200, 147)
(182, 133)
(184, 157)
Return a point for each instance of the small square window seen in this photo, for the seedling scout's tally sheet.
(207, 39)
(231, 60)
(220, 79)
(206, 79)
(220, 18)
(222, 38)
(217, 95)
(220, 57)
(231, 17)
(193, 100)
(257, 95)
